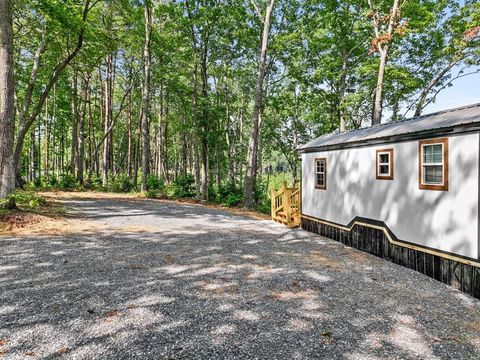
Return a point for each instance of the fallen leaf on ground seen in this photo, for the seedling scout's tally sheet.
(3, 342)
(112, 313)
(134, 267)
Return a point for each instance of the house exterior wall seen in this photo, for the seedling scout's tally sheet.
(443, 220)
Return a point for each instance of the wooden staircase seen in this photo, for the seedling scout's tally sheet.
(286, 205)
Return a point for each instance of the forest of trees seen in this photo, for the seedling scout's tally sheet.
(208, 92)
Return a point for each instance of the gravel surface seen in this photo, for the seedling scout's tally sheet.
(160, 280)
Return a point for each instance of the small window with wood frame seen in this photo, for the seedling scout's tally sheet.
(433, 164)
(384, 164)
(321, 173)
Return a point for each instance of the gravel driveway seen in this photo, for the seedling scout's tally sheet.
(160, 280)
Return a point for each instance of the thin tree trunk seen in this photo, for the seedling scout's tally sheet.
(129, 136)
(383, 50)
(204, 171)
(423, 96)
(137, 151)
(165, 142)
(196, 157)
(250, 175)
(47, 138)
(146, 95)
(7, 102)
(32, 157)
(75, 117)
(81, 129)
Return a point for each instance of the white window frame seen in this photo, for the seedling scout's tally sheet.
(423, 164)
(390, 164)
(324, 172)
(423, 185)
(380, 164)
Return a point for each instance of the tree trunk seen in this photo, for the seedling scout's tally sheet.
(250, 176)
(75, 117)
(7, 112)
(425, 92)
(129, 137)
(81, 129)
(146, 95)
(383, 50)
(377, 106)
(196, 157)
(47, 138)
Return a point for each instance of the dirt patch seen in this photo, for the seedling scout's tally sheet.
(50, 219)
(64, 195)
(24, 224)
(318, 258)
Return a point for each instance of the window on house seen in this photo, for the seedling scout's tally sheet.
(385, 164)
(433, 164)
(321, 173)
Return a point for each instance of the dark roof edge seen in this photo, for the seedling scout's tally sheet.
(431, 133)
(303, 146)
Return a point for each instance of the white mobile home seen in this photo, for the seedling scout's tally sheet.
(407, 191)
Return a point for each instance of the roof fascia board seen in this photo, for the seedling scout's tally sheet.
(396, 138)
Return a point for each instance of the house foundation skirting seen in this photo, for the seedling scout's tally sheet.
(462, 274)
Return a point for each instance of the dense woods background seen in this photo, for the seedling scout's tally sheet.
(209, 98)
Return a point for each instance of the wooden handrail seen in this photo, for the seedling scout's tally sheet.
(285, 205)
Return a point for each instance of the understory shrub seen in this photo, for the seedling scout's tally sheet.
(122, 184)
(229, 195)
(67, 182)
(30, 199)
(182, 186)
(52, 180)
(152, 194)
(262, 198)
(155, 183)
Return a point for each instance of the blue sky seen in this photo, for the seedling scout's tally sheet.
(465, 91)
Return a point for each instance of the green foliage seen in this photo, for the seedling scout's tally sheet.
(122, 184)
(155, 183)
(8, 204)
(203, 74)
(52, 181)
(182, 187)
(229, 195)
(67, 182)
(28, 199)
(152, 194)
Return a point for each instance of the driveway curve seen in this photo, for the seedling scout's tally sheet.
(146, 279)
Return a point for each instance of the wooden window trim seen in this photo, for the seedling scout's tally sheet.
(391, 164)
(422, 186)
(324, 187)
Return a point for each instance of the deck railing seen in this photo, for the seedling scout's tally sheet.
(286, 205)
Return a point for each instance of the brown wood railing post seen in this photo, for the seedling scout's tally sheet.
(287, 205)
(273, 201)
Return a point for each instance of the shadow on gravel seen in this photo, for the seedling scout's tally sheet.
(206, 284)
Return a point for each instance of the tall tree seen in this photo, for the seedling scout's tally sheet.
(381, 43)
(146, 95)
(251, 173)
(7, 173)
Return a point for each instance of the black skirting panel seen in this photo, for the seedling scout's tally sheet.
(459, 275)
